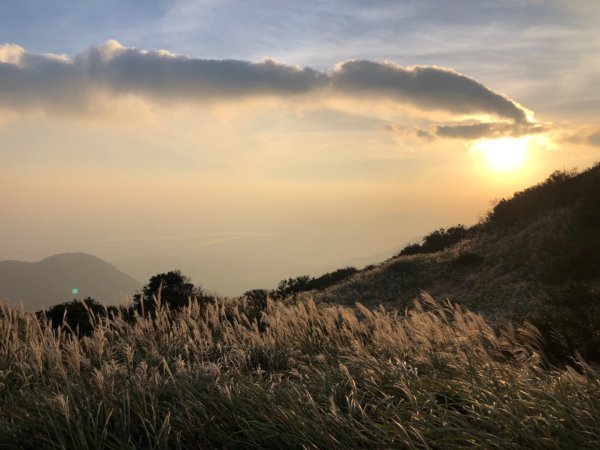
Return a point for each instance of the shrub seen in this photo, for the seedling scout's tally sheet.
(305, 283)
(438, 240)
(171, 289)
(77, 316)
(559, 189)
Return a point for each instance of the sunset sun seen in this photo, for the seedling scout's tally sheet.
(503, 154)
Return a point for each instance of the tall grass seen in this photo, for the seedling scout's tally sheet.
(301, 375)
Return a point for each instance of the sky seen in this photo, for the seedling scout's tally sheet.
(248, 141)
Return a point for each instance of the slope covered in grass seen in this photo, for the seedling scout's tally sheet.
(297, 376)
(535, 257)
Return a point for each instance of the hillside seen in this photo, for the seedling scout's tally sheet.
(51, 280)
(536, 256)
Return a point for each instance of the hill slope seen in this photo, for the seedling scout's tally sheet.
(50, 281)
(536, 257)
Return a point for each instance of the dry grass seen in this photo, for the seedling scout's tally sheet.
(505, 284)
(304, 376)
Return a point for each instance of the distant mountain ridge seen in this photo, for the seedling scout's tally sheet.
(52, 280)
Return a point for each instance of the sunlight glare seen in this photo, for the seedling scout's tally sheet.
(504, 153)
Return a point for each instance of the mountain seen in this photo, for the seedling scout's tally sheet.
(52, 280)
(535, 257)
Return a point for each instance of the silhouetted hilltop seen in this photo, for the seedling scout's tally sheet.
(536, 256)
(51, 280)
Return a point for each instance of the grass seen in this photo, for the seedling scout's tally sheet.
(304, 375)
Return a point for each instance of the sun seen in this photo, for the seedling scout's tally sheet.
(503, 154)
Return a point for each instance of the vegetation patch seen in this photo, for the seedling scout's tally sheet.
(301, 375)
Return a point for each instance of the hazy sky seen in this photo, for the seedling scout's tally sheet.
(283, 135)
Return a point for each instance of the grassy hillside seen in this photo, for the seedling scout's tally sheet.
(302, 376)
(536, 257)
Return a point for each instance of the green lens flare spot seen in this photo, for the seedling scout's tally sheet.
(74, 291)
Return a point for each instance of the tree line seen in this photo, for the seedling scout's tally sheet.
(174, 291)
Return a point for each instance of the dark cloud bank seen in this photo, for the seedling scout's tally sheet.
(52, 83)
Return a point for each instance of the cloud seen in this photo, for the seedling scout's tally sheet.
(427, 87)
(594, 139)
(11, 53)
(56, 83)
(471, 131)
(402, 132)
(424, 134)
(488, 130)
(588, 135)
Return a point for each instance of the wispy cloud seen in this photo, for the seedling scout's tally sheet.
(594, 139)
(584, 135)
(488, 130)
(472, 130)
